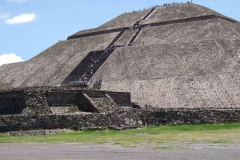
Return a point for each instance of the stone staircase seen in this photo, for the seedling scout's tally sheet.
(89, 65)
(101, 56)
(149, 13)
(83, 66)
(84, 71)
(139, 27)
(101, 102)
(131, 42)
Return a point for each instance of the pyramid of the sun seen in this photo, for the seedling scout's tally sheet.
(183, 55)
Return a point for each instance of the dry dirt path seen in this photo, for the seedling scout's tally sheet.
(75, 151)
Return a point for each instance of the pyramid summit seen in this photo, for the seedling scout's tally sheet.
(170, 56)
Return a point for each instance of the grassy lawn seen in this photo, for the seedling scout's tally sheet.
(214, 133)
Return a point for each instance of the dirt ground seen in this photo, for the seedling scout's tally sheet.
(76, 151)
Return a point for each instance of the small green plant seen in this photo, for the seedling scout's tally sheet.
(73, 108)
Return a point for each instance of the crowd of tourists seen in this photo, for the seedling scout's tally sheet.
(175, 3)
(83, 80)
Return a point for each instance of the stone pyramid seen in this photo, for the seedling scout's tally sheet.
(177, 56)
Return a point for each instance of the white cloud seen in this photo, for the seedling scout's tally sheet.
(9, 58)
(18, 1)
(23, 18)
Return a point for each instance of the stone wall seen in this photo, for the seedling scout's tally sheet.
(24, 101)
(62, 98)
(120, 98)
(38, 100)
(120, 119)
(89, 100)
(12, 102)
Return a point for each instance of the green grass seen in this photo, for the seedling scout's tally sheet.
(214, 133)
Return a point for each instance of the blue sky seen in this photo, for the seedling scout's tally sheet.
(28, 27)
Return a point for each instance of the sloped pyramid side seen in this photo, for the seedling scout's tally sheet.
(206, 29)
(197, 74)
(123, 20)
(161, 14)
(53, 65)
(190, 63)
(181, 11)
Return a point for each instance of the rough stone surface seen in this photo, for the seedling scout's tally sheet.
(193, 74)
(126, 37)
(57, 100)
(209, 29)
(181, 11)
(119, 119)
(37, 132)
(161, 14)
(124, 20)
(105, 110)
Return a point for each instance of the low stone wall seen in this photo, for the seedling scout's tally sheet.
(12, 102)
(62, 98)
(37, 132)
(120, 119)
(38, 100)
(120, 98)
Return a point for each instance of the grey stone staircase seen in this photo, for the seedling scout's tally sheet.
(94, 60)
(90, 64)
(101, 102)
